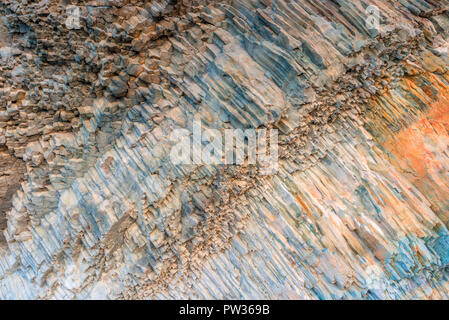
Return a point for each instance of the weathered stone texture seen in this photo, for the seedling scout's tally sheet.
(92, 207)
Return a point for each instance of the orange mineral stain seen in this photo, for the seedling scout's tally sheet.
(420, 150)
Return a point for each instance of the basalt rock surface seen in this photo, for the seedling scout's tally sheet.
(91, 206)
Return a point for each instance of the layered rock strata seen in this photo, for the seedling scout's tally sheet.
(92, 207)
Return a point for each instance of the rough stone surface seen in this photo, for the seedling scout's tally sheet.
(92, 207)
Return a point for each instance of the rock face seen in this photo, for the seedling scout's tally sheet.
(91, 205)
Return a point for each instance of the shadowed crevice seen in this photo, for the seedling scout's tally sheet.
(12, 173)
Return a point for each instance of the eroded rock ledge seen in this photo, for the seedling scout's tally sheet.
(91, 206)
